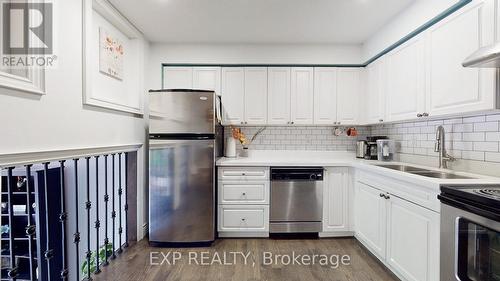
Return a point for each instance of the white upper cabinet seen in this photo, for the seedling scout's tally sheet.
(199, 78)
(348, 95)
(302, 95)
(278, 96)
(325, 96)
(233, 95)
(255, 95)
(406, 86)
(177, 77)
(375, 100)
(452, 88)
(207, 78)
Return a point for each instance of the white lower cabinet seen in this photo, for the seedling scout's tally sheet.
(243, 220)
(337, 202)
(243, 200)
(412, 240)
(370, 218)
(244, 193)
(403, 235)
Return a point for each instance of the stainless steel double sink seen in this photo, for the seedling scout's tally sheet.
(423, 172)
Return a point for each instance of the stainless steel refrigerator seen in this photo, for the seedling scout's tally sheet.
(185, 139)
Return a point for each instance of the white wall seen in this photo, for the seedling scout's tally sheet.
(59, 120)
(420, 12)
(248, 54)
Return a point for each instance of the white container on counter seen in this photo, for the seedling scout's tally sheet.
(386, 150)
(230, 147)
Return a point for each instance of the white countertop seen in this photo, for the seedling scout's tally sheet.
(264, 158)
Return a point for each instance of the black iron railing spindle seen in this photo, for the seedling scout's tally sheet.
(88, 205)
(76, 239)
(120, 191)
(62, 219)
(12, 273)
(97, 221)
(31, 227)
(113, 213)
(106, 199)
(49, 252)
(126, 200)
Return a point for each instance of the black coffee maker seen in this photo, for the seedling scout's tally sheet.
(371, 149)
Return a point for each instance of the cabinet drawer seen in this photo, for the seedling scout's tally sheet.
(244, 192)
(243, 173)
(243, 218)
(410, 191)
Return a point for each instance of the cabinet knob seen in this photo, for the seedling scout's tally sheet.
(419, 115)
(242, 123)
(244, 194)
(243, 174)
(243, 219)
(292, 123)
(380, 120)
(425, 114)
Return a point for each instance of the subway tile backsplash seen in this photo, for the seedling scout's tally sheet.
(468, 138)
(301, 138)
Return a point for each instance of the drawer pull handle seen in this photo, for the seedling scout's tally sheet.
(382, 195)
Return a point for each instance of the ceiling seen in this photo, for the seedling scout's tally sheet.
(260, 21)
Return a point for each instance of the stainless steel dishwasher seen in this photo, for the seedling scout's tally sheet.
(296, 199)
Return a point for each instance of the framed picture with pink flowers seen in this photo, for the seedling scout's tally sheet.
(111, 53)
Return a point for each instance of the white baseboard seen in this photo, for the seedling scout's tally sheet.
(336, 234)
(243, 234)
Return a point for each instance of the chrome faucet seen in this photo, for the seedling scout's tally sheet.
(439, 147)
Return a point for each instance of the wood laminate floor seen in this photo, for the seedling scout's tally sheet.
(135, 262)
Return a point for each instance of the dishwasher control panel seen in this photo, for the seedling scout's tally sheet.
(289, 173)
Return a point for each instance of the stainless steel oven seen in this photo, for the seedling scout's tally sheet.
(296, 200)
(470, 233)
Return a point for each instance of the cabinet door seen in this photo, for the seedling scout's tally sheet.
(233, 95)
(375, 90)
(302, 95)
(207, 78)
(325, 96)
(452, 88)
(278, 86)
(177, 77)
(412, 240)
(370, 218)
(256, 95)
(348, 95)
(406, 87)
(336, 205)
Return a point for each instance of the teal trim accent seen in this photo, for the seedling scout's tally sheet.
(162, 77)
(422, 28)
